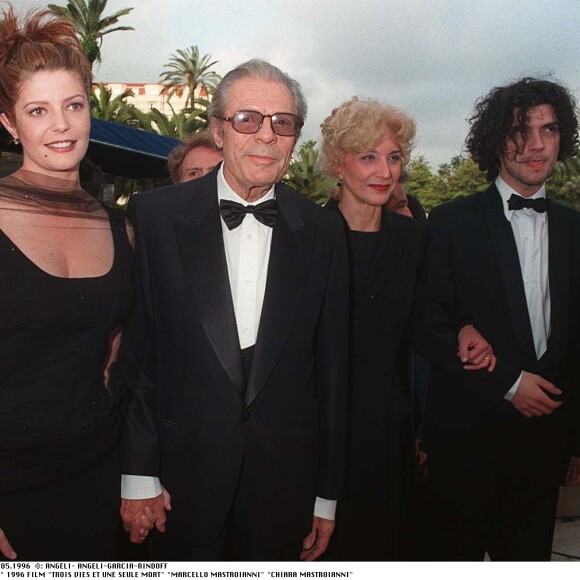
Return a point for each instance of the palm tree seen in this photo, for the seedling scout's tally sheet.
(178, 125)
(186, 68)
(107, 108)
(91, 25)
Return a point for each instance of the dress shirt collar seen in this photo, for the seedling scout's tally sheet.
(505, 191)
(224, 191)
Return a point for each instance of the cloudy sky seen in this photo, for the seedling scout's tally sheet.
(433, 58)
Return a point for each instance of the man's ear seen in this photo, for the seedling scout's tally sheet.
(217, 131)
(8, 125)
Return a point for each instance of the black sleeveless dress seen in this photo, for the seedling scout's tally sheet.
(59, 425)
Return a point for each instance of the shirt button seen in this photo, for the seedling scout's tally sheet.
(250, 236)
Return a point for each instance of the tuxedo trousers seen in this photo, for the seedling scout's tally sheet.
(507, 512)
(238, 540)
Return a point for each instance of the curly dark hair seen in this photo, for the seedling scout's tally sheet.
(493, 122)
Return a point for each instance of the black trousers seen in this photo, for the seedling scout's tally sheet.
(238, 540)
(69, 521)
(505, 511)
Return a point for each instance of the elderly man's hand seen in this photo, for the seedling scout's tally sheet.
(141, 515)
(316, 541)
(5, 548)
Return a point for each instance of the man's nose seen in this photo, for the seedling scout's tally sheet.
(266, 132)
(535, 141)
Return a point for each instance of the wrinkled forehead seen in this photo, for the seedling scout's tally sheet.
(258, 94)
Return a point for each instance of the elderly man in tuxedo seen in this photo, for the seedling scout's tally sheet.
(508, 261)
(238, 347)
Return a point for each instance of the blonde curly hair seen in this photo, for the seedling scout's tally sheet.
(359, 125)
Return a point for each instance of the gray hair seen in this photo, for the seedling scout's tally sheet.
(256, 69)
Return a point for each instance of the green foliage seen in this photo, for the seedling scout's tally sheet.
(187, 68)
(461, 177)
(564, 185)
(92, 49)
(423, 184)
(90, 24)
(304, 176)
(458, 178)
(178, 125)
(107, 108)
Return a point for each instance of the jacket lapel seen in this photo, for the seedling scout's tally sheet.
(290, 256)
(502, 238)
(201, 246)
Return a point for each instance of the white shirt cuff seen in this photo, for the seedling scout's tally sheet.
(512, 392)
(325, 508)
(140, 486)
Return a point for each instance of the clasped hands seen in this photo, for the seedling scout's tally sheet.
(140, 516)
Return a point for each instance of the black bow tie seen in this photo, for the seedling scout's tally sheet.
(539, 204)
(234, 213)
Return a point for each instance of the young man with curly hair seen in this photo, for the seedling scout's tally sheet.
(507, 260)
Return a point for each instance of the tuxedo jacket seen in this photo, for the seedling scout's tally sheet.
(194, 420)
(473, 275)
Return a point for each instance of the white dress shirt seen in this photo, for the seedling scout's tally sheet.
(530, 229)
(247, 257)
(247, 250)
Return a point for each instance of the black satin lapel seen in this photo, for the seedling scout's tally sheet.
(388, 253)
(509, 264)
(290, 256)
(559, 255)
(203, 257)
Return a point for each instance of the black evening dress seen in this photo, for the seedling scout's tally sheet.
(384, 266)
(59, 475)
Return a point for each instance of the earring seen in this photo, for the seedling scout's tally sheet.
(16, 141)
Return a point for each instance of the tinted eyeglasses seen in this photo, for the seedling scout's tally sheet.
(248, 122)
